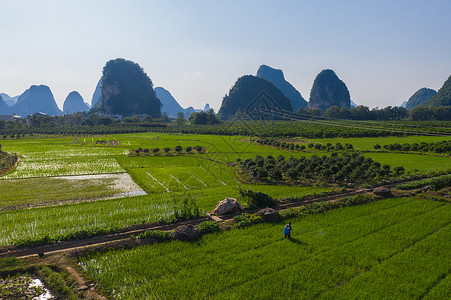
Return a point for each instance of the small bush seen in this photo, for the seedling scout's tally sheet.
(208, 227)
(156, 234)
(257, 199)
(245, 220)
(436, 183)
(185, 209)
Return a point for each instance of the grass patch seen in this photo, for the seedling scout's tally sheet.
(342, 253)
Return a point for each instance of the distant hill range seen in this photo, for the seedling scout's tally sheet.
(74, 103)
(249, 93)
(328, 90)
(170, 105)
(97, 94)
(403, 104)
(420, 96)
(443, 96)
(4, 108)
(10, 101)
(127, 90)
(276, 77)
(38, 98)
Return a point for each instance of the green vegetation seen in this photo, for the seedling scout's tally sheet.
(255, 200)
(206, 178)
(328, 90)
(356, 246)
(159, 235)
(7, 161)
(438, 147)
(312, 127)
(341, 169)
(204, 118)
(209, 227)
(385, 248)
(127, 90)
(443, 96)
(244, 97)
(435, 183)
(419, 97)
(45, 191)
(16, 277)
(425, 113)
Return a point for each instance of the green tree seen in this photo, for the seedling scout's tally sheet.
(204, 118)
(180, 120)
(127, 90)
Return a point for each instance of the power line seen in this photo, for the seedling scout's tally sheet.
(299, 117)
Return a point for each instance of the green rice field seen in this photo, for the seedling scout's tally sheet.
(39, 199)
(390, 249)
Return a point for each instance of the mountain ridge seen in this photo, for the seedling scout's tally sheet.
(276, 77)
(329, 90)
(74, 103)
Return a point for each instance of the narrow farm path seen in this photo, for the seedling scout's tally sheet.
(214, 175)
(199, 180)
(165, 187)
(175, 178)
(125, 233)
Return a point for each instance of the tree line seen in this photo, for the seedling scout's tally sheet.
(389, 113)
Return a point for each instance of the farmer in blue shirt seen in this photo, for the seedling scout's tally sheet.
(287, 230)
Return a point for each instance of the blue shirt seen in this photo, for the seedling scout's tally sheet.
(287, 229)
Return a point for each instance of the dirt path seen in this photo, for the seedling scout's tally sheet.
(125, 233)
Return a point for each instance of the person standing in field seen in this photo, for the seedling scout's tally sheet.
(287, 230)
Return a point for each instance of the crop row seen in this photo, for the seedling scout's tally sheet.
(63, 220)
(345, 244)
(344, 168)
(25, 192)
(438, 147)
(46, 168)
(436, 183)
(308, 128)
(177, 174)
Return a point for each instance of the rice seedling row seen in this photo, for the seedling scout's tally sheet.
(257, 261)
(114, 213)
(65, 167)
(56, 221)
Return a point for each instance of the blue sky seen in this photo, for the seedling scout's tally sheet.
(383, 50)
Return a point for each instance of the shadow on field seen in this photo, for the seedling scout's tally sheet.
(297, 241)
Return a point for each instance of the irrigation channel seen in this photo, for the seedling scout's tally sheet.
(125, 233)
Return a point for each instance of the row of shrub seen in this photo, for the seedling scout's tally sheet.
(78, 235)
(184, 208)
(435, 183)
(245, 220)
(7, 161)
(205, 227)
(299, 147)
(337, 168)
(166, 150)
(57, 280)
(437, 147)
(17, 132)
(309, 129)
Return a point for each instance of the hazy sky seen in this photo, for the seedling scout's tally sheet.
(383, 50)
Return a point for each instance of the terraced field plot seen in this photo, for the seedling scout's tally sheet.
(205, 177)
(177, 173)
(17, 193)
(58, 157)
(368, 142)
(394, 248)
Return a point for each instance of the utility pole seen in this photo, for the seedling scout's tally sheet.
(272, 123)
(260, 120)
